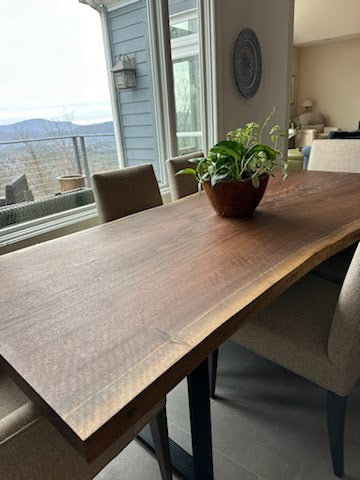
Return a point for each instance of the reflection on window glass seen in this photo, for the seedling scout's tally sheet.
(182, 29)
(187, 95)
(187, 86)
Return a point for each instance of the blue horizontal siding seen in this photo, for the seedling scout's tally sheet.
(136, 107)
(137, 15)
(129, 96)
(146, 142)
(125, 33)
(138, 120)
(133, 132)
(130, 35)
(143, 154)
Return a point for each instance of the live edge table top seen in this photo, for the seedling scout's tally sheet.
(98, 326)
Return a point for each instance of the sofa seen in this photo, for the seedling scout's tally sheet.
(312, 127)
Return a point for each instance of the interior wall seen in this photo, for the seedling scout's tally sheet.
(329, 74)
(273, 24)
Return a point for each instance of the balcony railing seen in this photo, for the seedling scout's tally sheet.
(70, 151)
(189, 142)
(41, 161)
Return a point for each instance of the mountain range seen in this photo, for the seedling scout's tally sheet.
(38, 128)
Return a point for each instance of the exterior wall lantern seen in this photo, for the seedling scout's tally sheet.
(125, 72)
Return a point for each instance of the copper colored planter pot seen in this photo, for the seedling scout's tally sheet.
(236, 199)
(71, 182)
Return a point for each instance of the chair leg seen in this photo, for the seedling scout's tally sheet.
(159, 431)
(336, 410)
(213, 361)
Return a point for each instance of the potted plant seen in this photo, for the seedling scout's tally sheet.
(71, 182)
(235, 173)
(293, 125)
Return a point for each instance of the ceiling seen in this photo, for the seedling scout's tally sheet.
(319, 21)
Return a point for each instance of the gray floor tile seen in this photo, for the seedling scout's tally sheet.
(274, 423)
(133, 463)
(224, 467)
(268, 424)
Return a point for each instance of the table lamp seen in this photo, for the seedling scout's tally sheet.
(307, 103)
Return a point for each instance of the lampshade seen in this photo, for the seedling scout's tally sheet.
(307, 103)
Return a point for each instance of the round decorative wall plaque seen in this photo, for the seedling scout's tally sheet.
(247, 62)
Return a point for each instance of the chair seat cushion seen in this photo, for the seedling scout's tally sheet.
(293, 332)
(31, 448)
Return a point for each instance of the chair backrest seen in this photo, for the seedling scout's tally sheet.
(122, 192)
(305, 137)
(312, 120)
(181, 185)
(344, 337)
(18, 191)
(335, 156)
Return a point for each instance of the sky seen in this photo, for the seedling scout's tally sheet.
(52, 61)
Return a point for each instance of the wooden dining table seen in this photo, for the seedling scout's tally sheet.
(98, 326)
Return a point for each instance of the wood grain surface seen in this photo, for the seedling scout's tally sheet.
(98, 326)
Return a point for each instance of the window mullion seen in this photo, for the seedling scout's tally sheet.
(208, 73)
(163, 79)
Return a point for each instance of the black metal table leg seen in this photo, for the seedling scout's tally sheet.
(181, 460)
(200, 418)
(199, 466)
(160, 435)
(213, 363)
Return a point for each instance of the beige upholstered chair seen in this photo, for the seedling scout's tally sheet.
(313, 120)
(181, 185)
(335, 156)
(305, 137)
(313, 329)
(119, 193)
(312, 127)
(31, 448)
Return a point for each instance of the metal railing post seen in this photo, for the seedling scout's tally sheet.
(77, 155)
(85, 160)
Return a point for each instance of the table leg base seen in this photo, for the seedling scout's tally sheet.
(181, 460)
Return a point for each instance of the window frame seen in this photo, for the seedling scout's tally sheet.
(202, 44)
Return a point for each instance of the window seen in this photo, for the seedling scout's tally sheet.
(55, 120)
(181, 28)
(187, 103)
(33, 157)
(184, 33)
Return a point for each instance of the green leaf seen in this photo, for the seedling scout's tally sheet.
(218, 178)
(256, 182)
(270, 152)
(196, 160)
(229, 148)
(187, 171)
(277, 131)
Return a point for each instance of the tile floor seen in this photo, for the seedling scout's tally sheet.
(268, 424)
